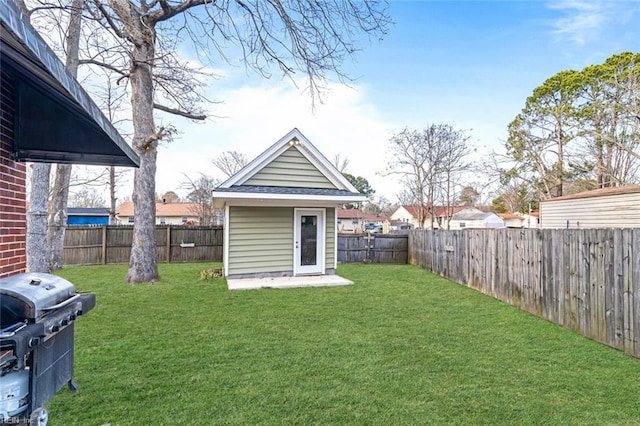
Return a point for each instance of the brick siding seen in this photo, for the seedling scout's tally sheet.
(13, 175)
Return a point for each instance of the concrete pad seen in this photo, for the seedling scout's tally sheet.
(286, 282)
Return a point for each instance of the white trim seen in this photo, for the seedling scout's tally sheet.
(321, 244)
(261, 196)
(335, 238)
(225, 253)
(306, 148)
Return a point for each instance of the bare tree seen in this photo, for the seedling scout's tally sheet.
(169, 197)
(230, 162)
(36, 241)
(427, 162)
(455, 161)
(201, 194)
(304, 35)
(87, 198)
(342, 164)
(57, 222)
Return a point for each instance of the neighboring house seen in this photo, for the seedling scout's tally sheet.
(45, 116)
(531, 220)
(87, 215)
(600, 208)
(166, 214)
(520, 220)
(280, 212)
(411, 214)
(511, 220)
(472, 218)
(350, 221)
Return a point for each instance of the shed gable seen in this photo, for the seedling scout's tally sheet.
(291, 169)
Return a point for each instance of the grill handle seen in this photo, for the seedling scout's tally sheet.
(63, 304)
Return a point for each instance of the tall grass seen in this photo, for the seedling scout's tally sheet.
(401, 346)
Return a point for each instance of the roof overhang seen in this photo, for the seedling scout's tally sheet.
(299, 198)
(55, 119)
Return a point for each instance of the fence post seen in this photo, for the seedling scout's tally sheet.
(104, 245)
(168, 243)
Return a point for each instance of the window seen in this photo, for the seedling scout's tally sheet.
(354, 221)
(184, 219)
(163, 221)
(130, 219)
(462, 224)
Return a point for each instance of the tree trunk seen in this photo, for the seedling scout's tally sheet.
(142, 263)
(60, 195)
(58, 215)
(112, 195)
(36, 244)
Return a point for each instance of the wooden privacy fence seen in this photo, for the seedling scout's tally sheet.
(584, 279)
(372, 248)
(91, 245)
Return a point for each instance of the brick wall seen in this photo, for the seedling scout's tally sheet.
(13, 175)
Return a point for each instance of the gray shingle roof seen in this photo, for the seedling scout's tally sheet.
(471, 216)
(288, 190)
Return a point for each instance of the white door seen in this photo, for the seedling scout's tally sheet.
(309, 235)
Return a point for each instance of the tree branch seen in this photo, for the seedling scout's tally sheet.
(179, 112)
(167, 12)
(103, 65)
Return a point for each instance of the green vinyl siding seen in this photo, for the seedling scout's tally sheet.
(291, 168)
(330, 223)
(260, 240)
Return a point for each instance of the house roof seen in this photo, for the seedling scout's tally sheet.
(603, 192)
(56, 120)
(508, 216)
(349, 214)
(241, 187)
(162, 209)
(438, 210)
(471, 213)
(88, 211)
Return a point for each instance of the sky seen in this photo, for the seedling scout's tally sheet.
(469, 64)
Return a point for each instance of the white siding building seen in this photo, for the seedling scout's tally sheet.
(601, 208)
(472, 218)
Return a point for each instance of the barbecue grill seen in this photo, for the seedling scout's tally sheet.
(37, 316)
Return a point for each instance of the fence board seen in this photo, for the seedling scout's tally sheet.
(373, 248)
(584, 279)
(91, 245)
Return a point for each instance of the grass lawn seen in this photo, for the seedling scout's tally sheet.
(399, 347)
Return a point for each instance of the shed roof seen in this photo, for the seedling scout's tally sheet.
(88, 211)
(603, 192)
(239, 187)
(471, 214)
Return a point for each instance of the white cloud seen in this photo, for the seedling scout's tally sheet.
(257, 116)
(584, 20)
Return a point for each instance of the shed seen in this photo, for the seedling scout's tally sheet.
(472, 218)
(45, 116)
(280, 212)
(87, 215)
(601, 208)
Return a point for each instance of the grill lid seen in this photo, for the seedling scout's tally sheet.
(30, 295)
